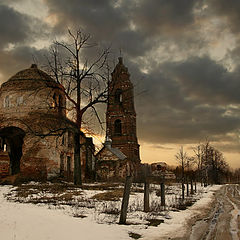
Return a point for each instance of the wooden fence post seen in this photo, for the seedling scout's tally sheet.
(125, 200)
(183, 190)
(162, 194)
(146, 196)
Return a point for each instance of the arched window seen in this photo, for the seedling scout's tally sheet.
(1, 144)
(60, 104)
(60, 101)
(118, 96)
(62, 165)
(118, 127)
(6, 102)
(54, 103)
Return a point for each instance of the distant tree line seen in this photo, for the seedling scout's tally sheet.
(206, 165)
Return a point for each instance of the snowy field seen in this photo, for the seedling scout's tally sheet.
(45, 213)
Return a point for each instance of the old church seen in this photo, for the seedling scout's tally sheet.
(36, 137)
(120, 154)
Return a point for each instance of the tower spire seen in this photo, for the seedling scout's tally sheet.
(120, 58)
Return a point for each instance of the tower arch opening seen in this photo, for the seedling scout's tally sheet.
(118, 127)
(11, 139)
(118, 96)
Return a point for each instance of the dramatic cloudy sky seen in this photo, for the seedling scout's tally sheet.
(183, 56)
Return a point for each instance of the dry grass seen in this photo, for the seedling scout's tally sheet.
(44, 193)
(56, 188)
(102, 187)
(114, 195)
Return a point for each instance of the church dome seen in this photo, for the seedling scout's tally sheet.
(32, 73)
(31, 90)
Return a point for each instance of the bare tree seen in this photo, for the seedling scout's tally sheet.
(236, 175)
(198, 160)
(182, 160)
(210, 163)
(85, 81)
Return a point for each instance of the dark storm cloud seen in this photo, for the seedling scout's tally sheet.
(110, 17)
(104, 21)
(157, 16)
(19, 58)
(97, 17)
(205, 79)
(14, 27)
(188, 101)
(17, 32)
(134, 26)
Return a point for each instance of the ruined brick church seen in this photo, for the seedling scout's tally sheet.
(120, 155)
(36, 137)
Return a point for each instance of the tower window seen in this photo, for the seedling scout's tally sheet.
(118, 96)
(118, 127)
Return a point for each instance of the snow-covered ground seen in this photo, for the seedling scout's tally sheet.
(23, 221)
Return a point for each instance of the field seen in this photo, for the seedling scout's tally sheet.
(96, 205)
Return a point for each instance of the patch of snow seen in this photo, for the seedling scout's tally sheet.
(20, 221)
(28, 222)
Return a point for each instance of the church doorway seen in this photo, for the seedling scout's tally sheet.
(11, 141)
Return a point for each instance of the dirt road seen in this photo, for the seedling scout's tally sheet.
(222, 222)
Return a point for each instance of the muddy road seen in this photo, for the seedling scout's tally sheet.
(222, 222)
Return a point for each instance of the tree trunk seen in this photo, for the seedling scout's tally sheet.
(192, 187)
(77, 160)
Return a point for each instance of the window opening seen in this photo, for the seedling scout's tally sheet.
(118, 96)
(19, 100)
(62, 165)
(7, 102)
(118, 127)
(54, 103)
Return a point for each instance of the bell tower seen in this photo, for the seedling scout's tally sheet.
(121, 115)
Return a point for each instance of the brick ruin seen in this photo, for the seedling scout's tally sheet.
(120, 155)
(36, 137)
